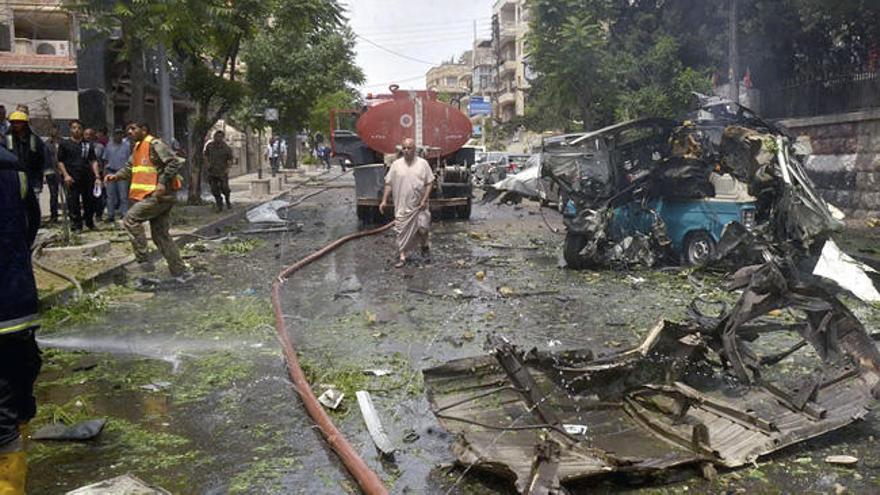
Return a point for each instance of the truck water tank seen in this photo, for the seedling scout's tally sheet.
(408, 113)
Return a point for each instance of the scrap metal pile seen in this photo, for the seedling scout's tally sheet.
(708, 391)
(694, 393)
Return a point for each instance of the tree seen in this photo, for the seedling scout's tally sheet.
(203, 39)
(619, 59)
(302, 51)
(569, 50)
(319, 117)
(136, 20)
(207, 42)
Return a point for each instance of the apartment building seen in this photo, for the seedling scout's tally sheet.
(451, 79)
(38, 60)
(51, 61)
(510, 26)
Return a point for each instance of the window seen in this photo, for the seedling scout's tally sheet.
(5, 38)
(40, 25)
(451, 81)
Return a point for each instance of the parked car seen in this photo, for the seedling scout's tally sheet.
(496, 165)
(515, 163)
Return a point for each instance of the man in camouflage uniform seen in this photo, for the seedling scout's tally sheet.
(152, 170)
(218, 156)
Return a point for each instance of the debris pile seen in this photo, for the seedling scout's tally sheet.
(693, 393)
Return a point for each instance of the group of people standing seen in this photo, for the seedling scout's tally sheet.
(78, 163)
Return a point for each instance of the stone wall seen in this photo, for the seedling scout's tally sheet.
(845, 164)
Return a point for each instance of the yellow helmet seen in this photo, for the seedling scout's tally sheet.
(18, 116)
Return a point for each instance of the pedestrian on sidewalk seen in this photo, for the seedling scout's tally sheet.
(79, 171)
(273, 153)
(116, 155)
(31, 152)
(410, 180)
(324, 155)
(19, 320)
(53, 177)
(93, 137)
(152, 168)
(218, 156)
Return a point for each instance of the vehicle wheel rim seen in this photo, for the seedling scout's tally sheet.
(699, 250)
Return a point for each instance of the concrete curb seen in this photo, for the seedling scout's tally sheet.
(116, 272)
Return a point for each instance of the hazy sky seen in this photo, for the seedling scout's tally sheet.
(426, 30)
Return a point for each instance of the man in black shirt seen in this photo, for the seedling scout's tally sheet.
(79, 170)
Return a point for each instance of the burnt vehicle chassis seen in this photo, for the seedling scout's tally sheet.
(697, 393)
(635, 162)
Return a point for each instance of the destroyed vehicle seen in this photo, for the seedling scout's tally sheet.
(527, 183)
(656, 188)
(710, 391)
(693, 227)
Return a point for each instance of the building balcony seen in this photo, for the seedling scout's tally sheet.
(507, 98)
(24, 46)
(36, 55)
(507, 67)
(507, 34)
(500, 5)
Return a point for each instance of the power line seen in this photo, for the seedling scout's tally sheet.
(431, 30)
(428, 25)
(401, 55)
(443, 41)
(389, 83)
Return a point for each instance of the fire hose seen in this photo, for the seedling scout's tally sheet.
(367, 479)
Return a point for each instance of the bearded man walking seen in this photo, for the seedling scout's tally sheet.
(410, 181)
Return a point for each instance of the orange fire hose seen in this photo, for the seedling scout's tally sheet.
(367, 479)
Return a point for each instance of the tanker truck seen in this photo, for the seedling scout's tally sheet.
(368, 139)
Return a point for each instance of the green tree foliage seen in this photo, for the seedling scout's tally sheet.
(319, 117)
(613, 60)
(604, 60)
(569, 48)
(303, 51)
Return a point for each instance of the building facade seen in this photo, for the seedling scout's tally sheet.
(451, 80)
(51, 62)
(509, 30)
(38, 61)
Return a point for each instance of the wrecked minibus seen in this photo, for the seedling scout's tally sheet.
(660, 189)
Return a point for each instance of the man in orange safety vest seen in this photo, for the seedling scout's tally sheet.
(152, 171)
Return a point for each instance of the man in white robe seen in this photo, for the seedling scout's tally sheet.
(410, 180)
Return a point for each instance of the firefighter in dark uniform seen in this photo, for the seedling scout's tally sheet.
(19, 355)
(32, 154)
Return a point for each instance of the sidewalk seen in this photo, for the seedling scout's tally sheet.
(101, 255)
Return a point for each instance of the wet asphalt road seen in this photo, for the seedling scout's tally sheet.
(228, 420)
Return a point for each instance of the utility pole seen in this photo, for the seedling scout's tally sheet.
(733, 51)
(166, 105)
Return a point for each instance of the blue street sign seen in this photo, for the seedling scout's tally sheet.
(479, 105)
